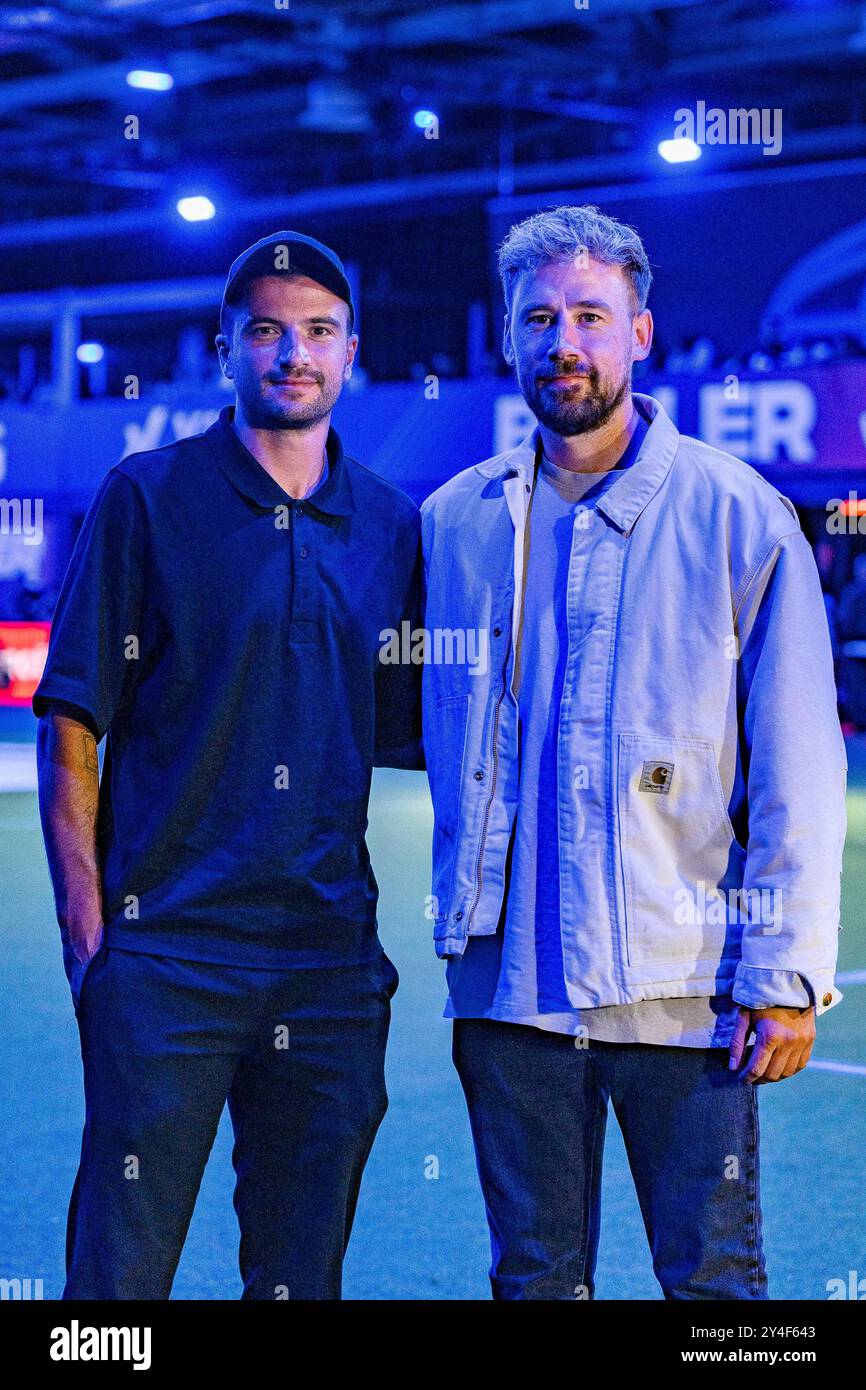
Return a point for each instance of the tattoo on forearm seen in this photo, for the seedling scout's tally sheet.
(91, 758)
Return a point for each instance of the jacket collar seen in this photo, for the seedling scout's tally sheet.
(245, 473)
(626, 497)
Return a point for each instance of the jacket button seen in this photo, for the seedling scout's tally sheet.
(299, 510)
(827, 1000)
(497, 632)
(304, 552)
(479, 776)
(458, 916)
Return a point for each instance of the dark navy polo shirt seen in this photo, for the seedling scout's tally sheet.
(226, 638)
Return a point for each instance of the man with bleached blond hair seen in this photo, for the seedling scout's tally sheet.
(639, 812)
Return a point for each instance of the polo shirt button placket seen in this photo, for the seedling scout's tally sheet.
(303, 550)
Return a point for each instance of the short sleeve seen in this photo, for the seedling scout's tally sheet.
(48, 705)
(94, 647)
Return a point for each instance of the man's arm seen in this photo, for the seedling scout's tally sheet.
(92, 668)
(68, 805)
(795, 767)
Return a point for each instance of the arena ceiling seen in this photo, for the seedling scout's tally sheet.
(316, 101)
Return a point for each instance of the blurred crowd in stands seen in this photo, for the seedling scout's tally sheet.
(775, 353)
(185, 364)
(846, 616)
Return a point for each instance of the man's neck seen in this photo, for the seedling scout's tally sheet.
(295, 459)
(597, 451)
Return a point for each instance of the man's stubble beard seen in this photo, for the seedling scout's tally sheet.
(263, 411)
(582, 416)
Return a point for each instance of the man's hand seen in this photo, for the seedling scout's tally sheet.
(783, 1043)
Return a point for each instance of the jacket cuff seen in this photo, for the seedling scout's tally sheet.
(757, 988)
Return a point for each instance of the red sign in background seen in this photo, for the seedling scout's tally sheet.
(23, 649)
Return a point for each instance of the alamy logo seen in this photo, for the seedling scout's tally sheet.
(21, 1289)
(438, 646)
(22, 516)
(738, 126)
(757, 908)
(854, 1288)
(77, 1343)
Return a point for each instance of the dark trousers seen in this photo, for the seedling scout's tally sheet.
(298, 1054)
(538, 1108)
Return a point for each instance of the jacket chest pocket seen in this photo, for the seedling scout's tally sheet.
(681, 862)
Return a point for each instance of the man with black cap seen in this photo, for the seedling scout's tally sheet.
(220, 622)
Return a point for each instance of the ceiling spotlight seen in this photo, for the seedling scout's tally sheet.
(197, 209)
(150, 81)
(90, 353)
(682, 150)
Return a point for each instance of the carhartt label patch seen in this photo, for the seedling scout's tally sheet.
(656, 777)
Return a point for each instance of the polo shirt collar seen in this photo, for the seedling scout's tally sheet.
(333, 496)
(629, 492)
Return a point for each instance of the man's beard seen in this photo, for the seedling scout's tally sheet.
(265, 410)
(590, 407)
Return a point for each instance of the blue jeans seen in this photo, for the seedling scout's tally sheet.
(538, 1109)
(165, 1043)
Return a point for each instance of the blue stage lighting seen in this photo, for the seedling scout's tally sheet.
(150, 81)
(679, 151)
(90, 353)
(197, 209)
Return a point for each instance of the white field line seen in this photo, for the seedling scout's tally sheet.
(844, 1068)
(18, 767)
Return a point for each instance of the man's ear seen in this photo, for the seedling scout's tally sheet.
(351, 349)
(224, 352)
(642, 331)
(507, 349)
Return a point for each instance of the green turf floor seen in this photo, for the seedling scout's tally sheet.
(416, 1236)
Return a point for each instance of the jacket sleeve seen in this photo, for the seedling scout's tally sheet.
(398, 683)
(796, 768)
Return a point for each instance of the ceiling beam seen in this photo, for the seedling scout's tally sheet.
(477, 182)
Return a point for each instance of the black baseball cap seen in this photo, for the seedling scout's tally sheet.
(306, 256)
